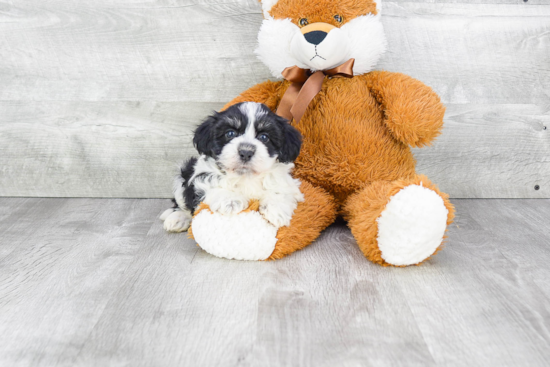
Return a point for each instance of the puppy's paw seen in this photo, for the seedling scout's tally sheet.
(166, 213)
(229, 206)
(178, 221)
(278, 215)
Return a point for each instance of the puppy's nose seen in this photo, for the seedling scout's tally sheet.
(315, 37)
(246, 151)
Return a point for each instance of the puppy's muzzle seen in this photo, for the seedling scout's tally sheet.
(315, 33)
(246, 151)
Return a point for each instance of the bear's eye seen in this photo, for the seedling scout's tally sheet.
(303, 22)
(230, 134)
(338, 18)
(264, 138)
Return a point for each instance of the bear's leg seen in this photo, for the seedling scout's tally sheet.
(400, 222)
(247, 236)
(314, 214)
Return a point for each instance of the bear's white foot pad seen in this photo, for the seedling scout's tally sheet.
(244, 236)
(412, 225)
(177, 221)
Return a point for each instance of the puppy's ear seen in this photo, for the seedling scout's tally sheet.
(291, 144)
(204, 140)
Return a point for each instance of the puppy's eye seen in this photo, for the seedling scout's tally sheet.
(263, 138)
(303, 22)
(230, 134)
(338, 18)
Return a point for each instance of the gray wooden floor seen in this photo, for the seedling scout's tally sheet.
(98, 282)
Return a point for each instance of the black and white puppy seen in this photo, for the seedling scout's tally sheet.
(246, 152)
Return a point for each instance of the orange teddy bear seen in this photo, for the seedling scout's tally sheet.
(358, 126)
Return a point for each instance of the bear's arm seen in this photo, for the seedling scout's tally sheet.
(413, 112)
(268, 93)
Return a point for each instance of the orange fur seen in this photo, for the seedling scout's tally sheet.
(322, 11)
(350, 137)
(363, 209)
(314, 214)
(413, 112)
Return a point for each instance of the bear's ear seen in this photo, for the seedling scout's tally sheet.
(204, 140)
(292, 142)
(266, 6)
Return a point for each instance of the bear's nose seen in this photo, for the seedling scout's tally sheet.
(315, 37)
(246, 151)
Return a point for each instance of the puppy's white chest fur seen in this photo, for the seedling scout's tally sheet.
(230, 192)
(250, 186)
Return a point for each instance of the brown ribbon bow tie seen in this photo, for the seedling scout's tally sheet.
(305, 86)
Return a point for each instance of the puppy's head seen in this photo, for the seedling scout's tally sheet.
(248, 138)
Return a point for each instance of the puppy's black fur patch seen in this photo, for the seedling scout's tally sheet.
(291, 142)
(190, 197)
(284, 140)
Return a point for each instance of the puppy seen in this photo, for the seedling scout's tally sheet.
(246, 152)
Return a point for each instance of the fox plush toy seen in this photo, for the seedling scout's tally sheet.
(357, 125)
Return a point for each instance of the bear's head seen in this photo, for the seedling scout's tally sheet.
(320, 34)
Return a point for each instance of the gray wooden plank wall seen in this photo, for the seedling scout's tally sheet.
(97, 99)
